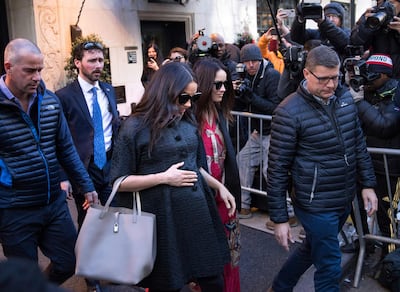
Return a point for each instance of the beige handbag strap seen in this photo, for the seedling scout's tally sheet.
(137, 205)
(115, 188)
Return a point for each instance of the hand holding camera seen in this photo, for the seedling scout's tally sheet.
(357, 95)
(245, 92)
(380, 16)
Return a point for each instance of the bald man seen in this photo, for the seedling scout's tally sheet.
(34, 142)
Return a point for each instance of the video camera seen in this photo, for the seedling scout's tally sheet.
(311, 9)
(357, 68)
(295, 59)
(202, 46)
(382, 16)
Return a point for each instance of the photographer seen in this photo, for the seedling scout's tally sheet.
(379, 30)
(380, 120)
(223, 55)
(292, 75)
(258, 92)
(330, 28)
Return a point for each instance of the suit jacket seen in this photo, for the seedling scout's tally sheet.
(79, 119)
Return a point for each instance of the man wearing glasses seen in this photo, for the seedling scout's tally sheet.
(316, 137)
(91, 111)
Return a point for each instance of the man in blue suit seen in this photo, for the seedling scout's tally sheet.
(78, 100)
(90, 108)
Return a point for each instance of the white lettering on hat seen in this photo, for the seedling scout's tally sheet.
(382, 60)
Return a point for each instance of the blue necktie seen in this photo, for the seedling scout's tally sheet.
(100, 158)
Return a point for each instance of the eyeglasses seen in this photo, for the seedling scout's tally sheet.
(92, 45)
(178, 58)
(184, 97)
(218, 84)
(325, 80)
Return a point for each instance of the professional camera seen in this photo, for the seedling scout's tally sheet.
(311, 9)
(354, 51)
(382, 16)
(241, 71)
(295, 59)
(358, 71)
(202, 46)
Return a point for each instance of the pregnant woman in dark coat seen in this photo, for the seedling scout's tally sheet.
(160, 149)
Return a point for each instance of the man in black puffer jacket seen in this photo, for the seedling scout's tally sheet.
(317, 138)
(34, 142)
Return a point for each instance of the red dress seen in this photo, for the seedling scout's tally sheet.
(215, 150)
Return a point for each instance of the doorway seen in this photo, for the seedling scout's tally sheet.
(165, 34)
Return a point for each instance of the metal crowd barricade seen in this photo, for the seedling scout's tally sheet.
(246, 117)
(239, 116)
(364, 237)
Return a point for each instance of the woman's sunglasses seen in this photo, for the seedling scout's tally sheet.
(218, 84)
(184, 97)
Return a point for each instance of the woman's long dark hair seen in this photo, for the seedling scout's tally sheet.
(159, 58)
(205, 71)
(159, 107)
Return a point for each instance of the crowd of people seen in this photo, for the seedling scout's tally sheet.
(177, 147)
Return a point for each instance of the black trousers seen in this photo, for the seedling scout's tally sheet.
(101, 181)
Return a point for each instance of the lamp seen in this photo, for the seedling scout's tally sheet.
(75, 30)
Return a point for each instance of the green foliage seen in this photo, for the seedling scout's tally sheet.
(72, 72)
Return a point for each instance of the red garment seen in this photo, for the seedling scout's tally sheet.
(215, 151)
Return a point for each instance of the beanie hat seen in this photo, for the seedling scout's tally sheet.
(334, 8)
(380, 64)
(250, 52)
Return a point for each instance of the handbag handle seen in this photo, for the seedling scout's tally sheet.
(137, 205)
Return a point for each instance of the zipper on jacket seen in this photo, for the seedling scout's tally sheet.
(345, 159)
(314, 183)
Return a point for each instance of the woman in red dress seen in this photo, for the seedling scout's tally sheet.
(213, 114)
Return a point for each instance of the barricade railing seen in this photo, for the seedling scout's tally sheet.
(246, 116)
(385, 152)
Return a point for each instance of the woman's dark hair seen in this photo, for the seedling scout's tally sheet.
(159, 58)
(158, 107)
(205, 70)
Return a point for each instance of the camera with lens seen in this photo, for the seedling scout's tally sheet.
(352, 51)
(381, 16)
(202, 46)
(358, 71)
(295, 59)
(311, 9)
(241, 71)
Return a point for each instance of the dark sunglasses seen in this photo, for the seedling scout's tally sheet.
(184, 97)
(218, 84)
(92, 45)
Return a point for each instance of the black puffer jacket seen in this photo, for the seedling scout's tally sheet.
(324, 149)
(380, 119)
(32, 148)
